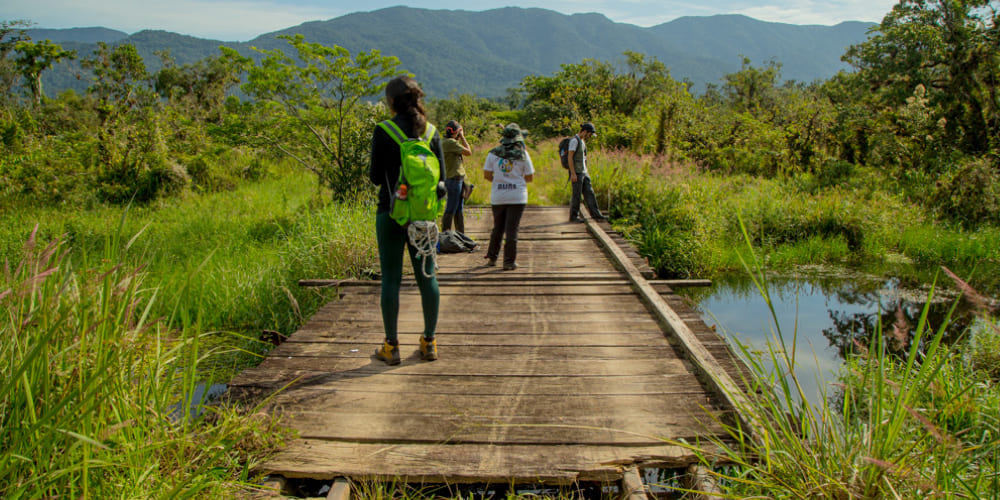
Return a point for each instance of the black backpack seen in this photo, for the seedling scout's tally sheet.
(564, 152)
(455, 242)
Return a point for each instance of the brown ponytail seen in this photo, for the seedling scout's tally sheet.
(404, 96)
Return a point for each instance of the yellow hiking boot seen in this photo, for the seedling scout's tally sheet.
(388, 353)
(428, 349)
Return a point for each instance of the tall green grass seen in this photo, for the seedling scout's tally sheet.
(114, 329)
(91, 380)
(686, 221)
(232, 259)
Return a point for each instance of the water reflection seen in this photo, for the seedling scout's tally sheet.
(203, 394)
(826, 313)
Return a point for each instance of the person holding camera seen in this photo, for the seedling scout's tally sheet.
(455, 148)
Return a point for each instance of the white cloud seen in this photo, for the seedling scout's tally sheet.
(819, 12)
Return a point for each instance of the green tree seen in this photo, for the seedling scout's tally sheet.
(854, 119)
(642, 80)
(557, 104)
(34, 58)
(201, 87)
(476, 114)
(11, 33)
(952, 49)
(131, 157)
(120, 81)
(752, 89)
(316, 110)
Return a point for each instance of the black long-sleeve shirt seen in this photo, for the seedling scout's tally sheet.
(383, 169)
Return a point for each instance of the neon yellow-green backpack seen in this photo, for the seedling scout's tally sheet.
(416, 195)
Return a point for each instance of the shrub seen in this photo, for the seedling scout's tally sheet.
(833, 172)
(133, 163)
(660, 223)
(972, 195)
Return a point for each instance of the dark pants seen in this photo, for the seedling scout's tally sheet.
(455, 201)
(506, 221)
(582, 187)
(391, 240)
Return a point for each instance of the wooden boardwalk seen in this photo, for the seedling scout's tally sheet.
(554, 373)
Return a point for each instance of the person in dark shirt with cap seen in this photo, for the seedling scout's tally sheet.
(578, 176)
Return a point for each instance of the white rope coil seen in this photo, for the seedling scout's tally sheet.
(423, 236)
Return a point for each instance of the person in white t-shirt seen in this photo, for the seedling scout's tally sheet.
(508, 167)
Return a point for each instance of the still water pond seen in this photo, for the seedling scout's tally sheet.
(820, 313)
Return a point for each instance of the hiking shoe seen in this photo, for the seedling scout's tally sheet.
(428, 348)
(491, 261)
(576, 219)
(510, 267)
(388, 353)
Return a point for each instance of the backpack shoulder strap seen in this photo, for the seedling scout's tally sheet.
(429, 133)
(393, 130)
(397, 134)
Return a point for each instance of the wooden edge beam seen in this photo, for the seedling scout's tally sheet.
(697, 478)
(341, 489)
(682, 283)
(633, 487)
(717, 379)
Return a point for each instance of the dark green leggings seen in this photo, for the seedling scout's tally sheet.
(391, 240)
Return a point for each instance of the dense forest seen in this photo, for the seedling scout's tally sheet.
(154, 227)
(920, 105)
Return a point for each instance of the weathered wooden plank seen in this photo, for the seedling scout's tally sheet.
(457, 463)
(634, 385)
(606, 430)
(374, 332)
(487, 352)
(463, 314)
(572, 340)
(411, 364)
(452, 304)
(411, 324)
(483, 279)
(535, 292)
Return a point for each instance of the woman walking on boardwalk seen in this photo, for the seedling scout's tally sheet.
(405, 99)
(508, 166)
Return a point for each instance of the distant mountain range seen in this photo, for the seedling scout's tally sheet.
(486, 53)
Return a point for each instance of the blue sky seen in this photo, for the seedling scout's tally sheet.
(241, 20)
